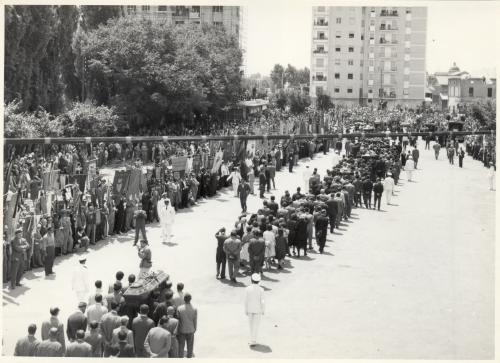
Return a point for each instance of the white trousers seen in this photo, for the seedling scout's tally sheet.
(168, 231)
(81, 296)
(254, 321)
(492, 182)
(235, 188)
(409, 174)
(388, 195)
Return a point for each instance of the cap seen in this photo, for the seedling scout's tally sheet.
(82, 304)
(82, 259)
(256, 277)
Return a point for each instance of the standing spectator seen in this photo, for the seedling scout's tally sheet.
(77, 321)
(123, 348)
(262, 182)
(172, 326)
(388, 188)
(27, 346)
(256, 252)
(378, 189)
(98, 290)
(232, 247)
(410, 167)
(436, 148)
(243, 191)
(53, 323)
(321, 228)
(79, 347)
(96, 311)
(129, 335)
(50, 250)
(141, 326)
(254, 306)
(491, 175)
(140, 217)
(461, 155)
(158, 341)
(178, 299)
(188, 318)
(109, 322)
(80, 280)
(415, 154)
(220, 255)
(95, 339)
(118, 278)
(19, 247)
(51, 347)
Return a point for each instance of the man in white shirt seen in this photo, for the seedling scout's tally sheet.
(178, 298)
(306, 175)
(96, 311)
(254, 306)
(98, 290)
(80, 281)
(388, 188)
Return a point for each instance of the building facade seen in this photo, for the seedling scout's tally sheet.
(231, 18)
(369, 55)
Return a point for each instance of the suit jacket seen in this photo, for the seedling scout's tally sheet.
(158, 341)
(188, 319)
(53, 322)
(76, 321)
(331, 207)
(79, 349)
(96, 342)
(26, 347)
(125, 350)
(256, 247)
(109, 322)
(141, 327)
(254, 299)
(49, 348)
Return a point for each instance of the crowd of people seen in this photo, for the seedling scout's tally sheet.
(105, 324)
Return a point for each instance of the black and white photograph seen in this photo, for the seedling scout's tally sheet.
(249, 179)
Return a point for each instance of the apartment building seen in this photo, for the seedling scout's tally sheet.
(230, 18)
(369, 55)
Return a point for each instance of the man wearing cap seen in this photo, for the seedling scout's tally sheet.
(254, 306)
(141, 326)
(18, 247)
(79, 347)
(388, 188)
(51, 347)
(80, 280)
(77, 321)
(27, 346)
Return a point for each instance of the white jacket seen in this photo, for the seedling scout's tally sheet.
(388, 183)
(254, 299)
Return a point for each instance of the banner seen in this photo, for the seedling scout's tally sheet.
(178, 163)
(217, 161)
(120, 182)
(79, 179)
(197, 163)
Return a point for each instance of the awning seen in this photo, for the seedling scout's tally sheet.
(443, 97)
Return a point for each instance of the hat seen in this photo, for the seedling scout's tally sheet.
(82, 304)
(82, 259)
(256, 277)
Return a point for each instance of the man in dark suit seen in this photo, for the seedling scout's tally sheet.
(273, 206)
(123, 349)
(140, 217)
(256, 252)
(332, 212)
(220, 255)
(367, 193)
(262, 182)
(141, 327)
(77, 321)
(243, 191)
(378, 189)
(79, 347)
(321, 230)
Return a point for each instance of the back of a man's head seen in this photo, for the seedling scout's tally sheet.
(114, 305)
(98, 284)
(54, 311)
(119, 275)
(80, 334)
(187, 298)
(98, 298)
(122, 335)
(144, 309)
(32, 329)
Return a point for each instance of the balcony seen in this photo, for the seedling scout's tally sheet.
(389, 13)
(320, 23)
(319, 78)
(385, 41)
(320, 51)
(388, 95)
(321, 38)
(194, 15)
(388, 27)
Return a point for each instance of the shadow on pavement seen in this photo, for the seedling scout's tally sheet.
(262, 348)
(229, 282)
(18, 291)
(170, 244)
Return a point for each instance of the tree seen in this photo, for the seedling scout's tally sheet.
(298, 102)
(291, 75)
(93, 15)
(485, 113)
(277, 76)
(303, 76)
(324, 102)
(21, 124)
(281, 100)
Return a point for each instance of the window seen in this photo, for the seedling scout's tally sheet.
(336, 90)
(179, 22)
(131, 9)
(406, 92)
(321, 35)
(370, 100)
(338, 20)
(162, 8)
(471, 91)
(407, 70)
(217, 9)
(371, 69)
(319, 90)
(337, 75)
(490, 92)
(338, 34)
(362, 37)
(217, 24)
(146, 7)
(370, 90)
(350, 62)
(370, 82)
(351, 49)
(408, 11)
(349, 90)
(350, 76)
(320, 62)
(337, 61)
(351, 35)
(372, 13)
(337, 49)
(196, 9)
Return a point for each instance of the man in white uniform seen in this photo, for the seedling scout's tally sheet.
(254, 306)
(80, 281)
(162, 216)
(169, 220)
(306, 175)
(388, 188)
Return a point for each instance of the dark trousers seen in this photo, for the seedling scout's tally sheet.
(183, 338)
(256, 265)
(243, 202)
(427, 144)
(333, 222)
(37, 256)
(376, 199)
(290, 166)
(357, 200)
(141, 229)
(233, 267)
(49, 259)
(460, 162)
(367, 198)
(16, 270)
(221, 267)
(261, 190)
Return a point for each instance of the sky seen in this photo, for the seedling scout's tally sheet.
(463, 32)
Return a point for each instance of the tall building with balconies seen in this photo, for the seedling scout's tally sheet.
(369, 55)
(231, 18)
